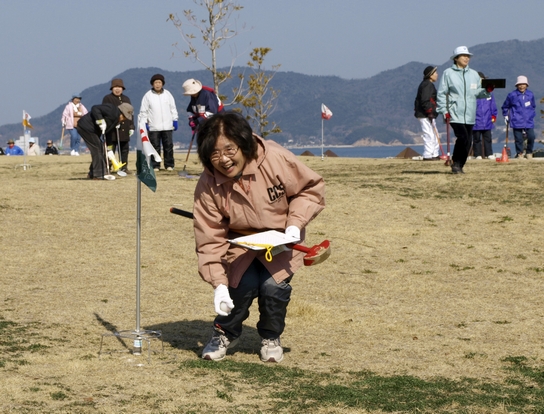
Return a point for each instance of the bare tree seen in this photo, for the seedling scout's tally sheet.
(259, 98)
(214, 30)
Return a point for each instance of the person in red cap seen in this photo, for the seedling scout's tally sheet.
(158, 111)
(518, 111)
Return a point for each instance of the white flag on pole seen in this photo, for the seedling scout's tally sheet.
(325, 112)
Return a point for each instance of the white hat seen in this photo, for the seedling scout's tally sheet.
(191, 86)
(460, 50)
(32, 140)
(522, 79)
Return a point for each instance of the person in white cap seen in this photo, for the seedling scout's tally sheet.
(204, 102)
(458, 90)
(33, 149)
(518, 111)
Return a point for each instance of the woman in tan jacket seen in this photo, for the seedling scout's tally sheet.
(249, 185)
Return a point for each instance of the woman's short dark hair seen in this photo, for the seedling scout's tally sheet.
(234, 127)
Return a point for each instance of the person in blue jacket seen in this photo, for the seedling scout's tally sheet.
(486, 115)
(13, 149)
(458, 90)
(518, 111)
(203, 104)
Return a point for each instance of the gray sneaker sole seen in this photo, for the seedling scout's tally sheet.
(208, 357)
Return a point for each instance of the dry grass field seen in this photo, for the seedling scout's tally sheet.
(432, 300)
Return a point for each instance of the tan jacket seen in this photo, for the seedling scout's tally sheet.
(275, 191)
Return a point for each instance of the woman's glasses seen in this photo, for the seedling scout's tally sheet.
(228, 152)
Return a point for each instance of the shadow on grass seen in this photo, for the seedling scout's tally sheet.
(192, 335)
(293, 389)
(447, 170)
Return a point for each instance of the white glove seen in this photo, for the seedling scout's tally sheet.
(130, 132)
(293, 232)
(102, 124)
(221, 295)
(506, 120)
(63, 124)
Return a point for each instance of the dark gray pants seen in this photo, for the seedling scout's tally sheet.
(479, 137)
(273, 299)
(98, 156)
(164, 138)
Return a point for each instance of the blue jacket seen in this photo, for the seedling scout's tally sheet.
(15, 150)
(208, 99)
(486, 108)
(457, 93)
(520, 109)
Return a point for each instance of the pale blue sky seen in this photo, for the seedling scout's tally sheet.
(51, 49)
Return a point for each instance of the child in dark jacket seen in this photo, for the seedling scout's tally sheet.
(425, 112)
(486, 115)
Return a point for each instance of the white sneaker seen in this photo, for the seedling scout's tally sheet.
(73, 152)
(76, 154)
(479, 157)
(271, 350)
(169, 169)
(155, 169)
(491, 157)
(216, 348)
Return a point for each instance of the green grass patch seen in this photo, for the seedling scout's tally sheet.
(293, 389)
(18, 340)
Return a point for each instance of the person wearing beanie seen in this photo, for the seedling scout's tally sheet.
(519, 113)
(458, 90)
(73, 111)
(425, 112)
(95, 126)
(158, 111)
(121, 135)
(203, 104)
(486, 115)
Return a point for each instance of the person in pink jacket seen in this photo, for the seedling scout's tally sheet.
(249, 185)
(73, 111)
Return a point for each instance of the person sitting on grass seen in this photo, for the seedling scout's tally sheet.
(51, 149)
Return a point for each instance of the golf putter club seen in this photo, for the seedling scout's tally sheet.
(108, 176)
(61, 139)
(119, 172)
(448, 162)
(443, 156)
(314, 255)
(183, 173)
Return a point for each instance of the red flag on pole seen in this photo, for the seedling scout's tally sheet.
(325, 112)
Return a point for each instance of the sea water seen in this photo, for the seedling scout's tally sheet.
(360, 152)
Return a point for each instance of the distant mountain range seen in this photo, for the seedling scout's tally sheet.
(373, 111)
